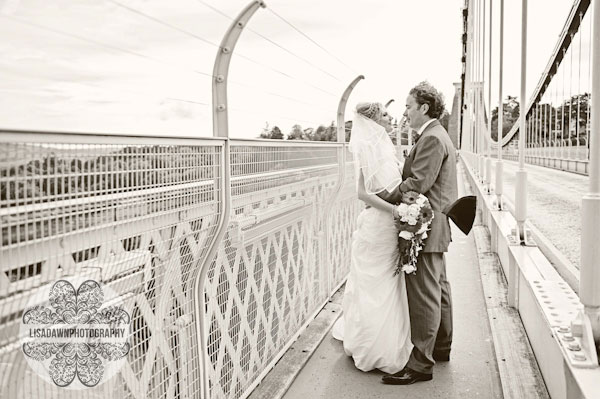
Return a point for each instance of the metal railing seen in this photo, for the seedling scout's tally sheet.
(559, 117)
(138, 214)
(558, 121)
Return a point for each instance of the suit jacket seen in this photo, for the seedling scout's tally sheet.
(430, 169)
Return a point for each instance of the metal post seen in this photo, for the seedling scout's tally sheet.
(478, 93)
(482, 133)
(341, 131)
(488, 165)
(561, 121)
(499, 165)
(220, 129)
(521, 186)
(471, 80)
(341, 156)
(476, 88)
(589, 281)
(221, 69)
(466, 145)
(569, 155)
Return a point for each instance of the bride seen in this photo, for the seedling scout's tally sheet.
(375, 325)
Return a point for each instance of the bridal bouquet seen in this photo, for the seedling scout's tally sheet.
(413, 222)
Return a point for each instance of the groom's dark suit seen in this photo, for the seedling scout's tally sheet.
(430, 169)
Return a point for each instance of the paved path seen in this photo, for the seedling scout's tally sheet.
(472, 372)
(554, 204)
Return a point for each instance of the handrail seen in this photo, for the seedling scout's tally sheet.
(67, 137)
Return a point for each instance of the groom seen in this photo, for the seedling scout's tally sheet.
(430, 169)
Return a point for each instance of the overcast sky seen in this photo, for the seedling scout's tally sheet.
(138, 76)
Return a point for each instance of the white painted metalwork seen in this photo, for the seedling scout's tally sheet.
(220, 129)
(521, 184)
(134, 213)
(488, 148)
(562, 147)
(589, 284)
(499, 166)
(221, 68)
(139, 214)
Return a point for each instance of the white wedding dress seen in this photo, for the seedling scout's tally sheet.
(375, 325)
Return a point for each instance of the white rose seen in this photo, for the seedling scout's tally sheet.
(413, 211)
(421, 200)
(402, 209)
(409, 269)
(412, 220)
(407, 235)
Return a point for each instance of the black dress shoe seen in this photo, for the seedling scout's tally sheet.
(406, 376)
(441, 356)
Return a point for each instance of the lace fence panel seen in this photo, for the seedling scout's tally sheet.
(134, 213)
(342, 222)
(271, 272)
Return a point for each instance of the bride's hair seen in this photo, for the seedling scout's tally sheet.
(372, 111)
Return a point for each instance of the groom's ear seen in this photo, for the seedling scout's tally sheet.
(425, 108)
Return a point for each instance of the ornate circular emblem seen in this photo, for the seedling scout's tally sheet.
(75, 333)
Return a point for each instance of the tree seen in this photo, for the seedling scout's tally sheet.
(296, 134)
(330, 133)
(348, 130)
(567, 121)
(511, 109)
(265, 134)
(274, 133)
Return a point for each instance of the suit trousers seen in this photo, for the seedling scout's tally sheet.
(430, 308)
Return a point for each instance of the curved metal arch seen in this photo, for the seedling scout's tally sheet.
(220, 129)
(221, 68)
(341, 131)
(341, 156)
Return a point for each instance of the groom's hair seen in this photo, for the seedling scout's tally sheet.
(425, 93)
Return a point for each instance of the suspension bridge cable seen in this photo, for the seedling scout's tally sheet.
(191, 34)
(256, 112)
(292, 53)
(311, 40)
(136, 93)
(161, 22)
(148, 58)
(274, 43)
(99, 44)
(136, 54)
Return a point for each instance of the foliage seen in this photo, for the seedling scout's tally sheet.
(511, 110)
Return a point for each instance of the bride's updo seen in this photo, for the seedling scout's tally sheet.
(373, 111)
